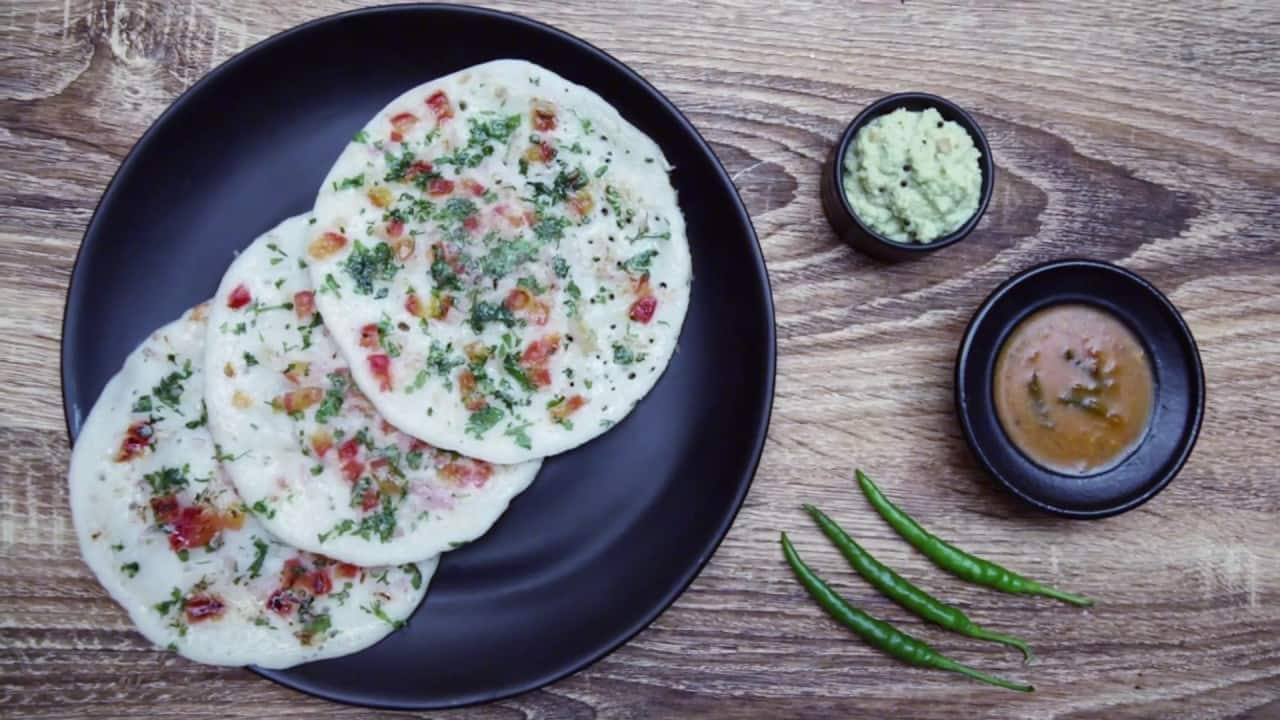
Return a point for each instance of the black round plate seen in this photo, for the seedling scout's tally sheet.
(1175, 361)
(611, 533)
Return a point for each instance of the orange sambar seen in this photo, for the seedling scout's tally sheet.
(1074, 389)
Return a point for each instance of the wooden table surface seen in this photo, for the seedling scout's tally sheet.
(1144, 133)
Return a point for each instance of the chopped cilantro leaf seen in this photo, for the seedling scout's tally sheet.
(333, 398)
(531, 284)
(443, 275)
(175, 598)
(415, 574)
(505, 258)
(512, 366)
(167, 480)
(353, 181)
(368, 265)
(639, 262)
(169, 391)
(260, 554)
(518, 434)
(375, 609)
(624, 355)
(200, 421)
(482, 421)
(550, 229)
(484, 312)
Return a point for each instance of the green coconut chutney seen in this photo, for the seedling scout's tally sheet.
(912, 176)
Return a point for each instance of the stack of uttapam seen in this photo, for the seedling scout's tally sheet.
(494, 271)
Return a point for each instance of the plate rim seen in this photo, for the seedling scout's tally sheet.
(756, 250)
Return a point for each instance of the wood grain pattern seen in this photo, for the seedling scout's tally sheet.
(1143, 133)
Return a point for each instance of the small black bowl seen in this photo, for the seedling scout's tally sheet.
(1175, 363)
(846, 222)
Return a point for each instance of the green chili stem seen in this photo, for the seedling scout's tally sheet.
(945, 663)
(878, 633)
(1062, 595)
(984, 634)
(951, 558)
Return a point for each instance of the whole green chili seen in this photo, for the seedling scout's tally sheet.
(878, 633)
(953, 559)
(902, 591)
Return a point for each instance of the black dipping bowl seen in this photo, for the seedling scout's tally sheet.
(846, 222)
(1175, 364)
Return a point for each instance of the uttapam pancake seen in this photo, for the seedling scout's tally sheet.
(163, 529)
(502, 260)
(305, 446)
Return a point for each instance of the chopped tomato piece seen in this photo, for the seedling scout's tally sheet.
(304, 303)
(414, 306)
(544, 117)
(401, 124)
(349, 449)
(471, 222)
(540, 376)
(298, 400)
(539, 312)
(346, 570)
(239, 297)
(395, 228)
(369, 336)
(540, 152)
(165, 508)
(439, 104)
(292, 572)
(582, 203)
(473, 187)
(318, 581)
(352, 470)
(642, 310)
(517, 299)
(403, 248)
(137, 439)
(380, 196)
(203, 607)
(466, 471)
(193, 527)
(439, 186)
(321, 442)
(418, 167)
(571, 405)
(540, 350)
(232, 519)
(472, 399)
(327, 244)
(282, 602)
(476, 351)
(369, 500)
(380, 366)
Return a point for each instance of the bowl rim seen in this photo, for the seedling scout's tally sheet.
(1190, 433)
(965, 120)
